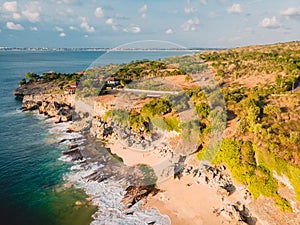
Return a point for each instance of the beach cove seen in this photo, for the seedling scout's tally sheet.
(137, 177)
(96, 173)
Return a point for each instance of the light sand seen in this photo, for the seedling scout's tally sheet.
(184, 201)
(187, 205)
(132, 157)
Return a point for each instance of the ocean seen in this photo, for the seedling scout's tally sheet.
(32, 184)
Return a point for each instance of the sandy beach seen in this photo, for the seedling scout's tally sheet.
(132, 157)
(185, 201)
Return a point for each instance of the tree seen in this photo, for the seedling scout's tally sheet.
(33, 77)
(203, 110)
(271, 110)
(23, 81)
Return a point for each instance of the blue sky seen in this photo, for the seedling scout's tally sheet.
(190, 23)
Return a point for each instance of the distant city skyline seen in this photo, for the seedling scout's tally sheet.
(108, 24)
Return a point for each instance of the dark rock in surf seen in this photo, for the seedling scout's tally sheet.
(136, 193)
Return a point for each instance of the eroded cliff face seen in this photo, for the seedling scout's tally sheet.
(53, 105)
(62, 99)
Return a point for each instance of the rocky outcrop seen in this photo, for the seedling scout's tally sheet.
(213, 176)
(101, 129)
(58, 106)
(135, 194)
(30, 105)
(75, 154)
(64, 114)
(66, 99)
(236, 213)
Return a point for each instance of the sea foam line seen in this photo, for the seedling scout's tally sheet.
(106, 195)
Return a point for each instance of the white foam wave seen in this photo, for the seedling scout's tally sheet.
(65, 158)
(107, 195)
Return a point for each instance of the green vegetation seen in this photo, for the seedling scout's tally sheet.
(62, 78)
(260, 85)
(120, 116)
(56, 82)
(145, 69)
(168, 123)
(239, 157)
(33, 77)
(203, 110)
(188, 63)
(23, 81)
(157, 107)
(154, 112)
(280, 60)
(265, 116)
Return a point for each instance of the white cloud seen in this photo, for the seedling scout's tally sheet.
(109, 21)
(73, 28)
(10, 6)
(133, 29)
(190, 10)
(69, 1)
(32, 12)
(169, 31)
(84, 25)
(270, 23)
(143, 9)
(14, 26)
(191, 24)
(293, 13)
(59, 29)
(33, 28)
(16, 16)
(203, 2)
(234, 9)
(99, 12)
(62, 34)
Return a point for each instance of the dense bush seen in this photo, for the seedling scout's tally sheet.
(156, 107)
(239, 157)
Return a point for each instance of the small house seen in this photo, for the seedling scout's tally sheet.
(73, 85)
(71, 89)
(111, 81)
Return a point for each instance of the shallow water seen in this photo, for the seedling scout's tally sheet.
(30, 172)
(32, 185)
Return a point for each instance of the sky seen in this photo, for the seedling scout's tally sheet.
(188, 23)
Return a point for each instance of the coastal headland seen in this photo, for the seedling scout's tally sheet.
(163, 141)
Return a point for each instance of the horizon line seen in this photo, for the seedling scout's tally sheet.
(105, 49)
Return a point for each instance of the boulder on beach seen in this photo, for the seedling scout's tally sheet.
(64, 114)
(136, 193)
(52, 109)
(30, 105)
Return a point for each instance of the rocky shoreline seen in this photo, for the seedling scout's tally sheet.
(60, 107)
(134, 191)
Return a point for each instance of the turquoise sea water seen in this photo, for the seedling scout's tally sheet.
(31, 176)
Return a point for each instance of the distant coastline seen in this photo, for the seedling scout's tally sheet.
(105, 49)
